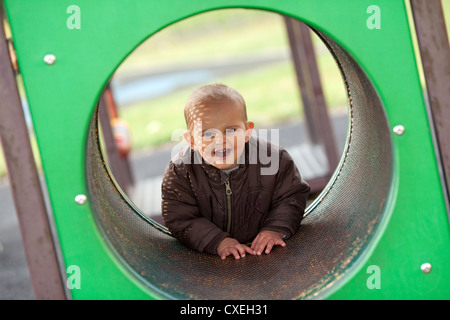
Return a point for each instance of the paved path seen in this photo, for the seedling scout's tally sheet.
(14, 274)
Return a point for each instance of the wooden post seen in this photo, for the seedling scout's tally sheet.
(320, 129)
(435, 55)
(25, 185)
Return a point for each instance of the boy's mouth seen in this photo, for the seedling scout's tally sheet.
(222, 153)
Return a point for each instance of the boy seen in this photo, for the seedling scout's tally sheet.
(215, 197)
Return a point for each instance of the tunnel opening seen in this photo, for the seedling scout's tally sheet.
(334, 234)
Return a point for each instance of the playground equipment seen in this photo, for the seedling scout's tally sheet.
(379, 229)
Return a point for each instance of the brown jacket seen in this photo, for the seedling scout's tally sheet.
(202, 205)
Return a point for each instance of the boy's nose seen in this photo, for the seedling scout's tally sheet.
(217, 135)
(220, 140)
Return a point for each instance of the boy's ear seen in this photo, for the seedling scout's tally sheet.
(248, 130)
(189, 139)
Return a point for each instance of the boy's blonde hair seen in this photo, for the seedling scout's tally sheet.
(218, 92)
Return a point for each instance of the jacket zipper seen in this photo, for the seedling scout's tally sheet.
(228, 192)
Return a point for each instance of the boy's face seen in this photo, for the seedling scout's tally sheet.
(220, 132)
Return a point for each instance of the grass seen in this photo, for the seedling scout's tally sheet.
(209, 36)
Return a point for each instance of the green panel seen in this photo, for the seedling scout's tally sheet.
(62, 98)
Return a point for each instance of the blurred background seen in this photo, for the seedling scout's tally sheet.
(246, 49)
(250, 50)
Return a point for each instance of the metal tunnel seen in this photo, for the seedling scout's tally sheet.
(335, 233)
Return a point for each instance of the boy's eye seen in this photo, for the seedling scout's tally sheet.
(230, 130)
(209, 134)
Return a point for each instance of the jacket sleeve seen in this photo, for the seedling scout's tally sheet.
(182, 216)
(288, 200)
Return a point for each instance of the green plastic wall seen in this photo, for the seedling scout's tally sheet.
(63, 96)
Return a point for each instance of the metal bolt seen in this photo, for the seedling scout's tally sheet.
(50, 59)
(80, 199)
(399, 130)
(426, 267)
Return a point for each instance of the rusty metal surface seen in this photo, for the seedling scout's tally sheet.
(333, 236)
(24, 181)
(435, 55)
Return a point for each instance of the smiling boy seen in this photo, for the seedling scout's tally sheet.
(215, 198)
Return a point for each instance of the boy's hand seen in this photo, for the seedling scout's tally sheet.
(230, 246)
(267, 239)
